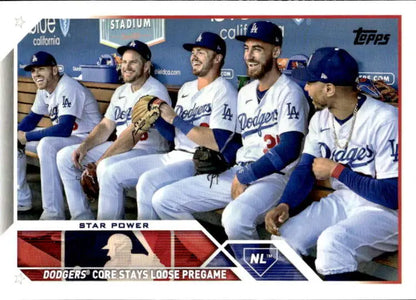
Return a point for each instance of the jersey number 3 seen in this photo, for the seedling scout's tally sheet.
(270, 142)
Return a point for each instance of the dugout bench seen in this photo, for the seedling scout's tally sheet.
(384, 267)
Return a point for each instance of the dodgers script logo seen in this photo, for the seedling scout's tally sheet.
(64, 24)
(196, 112)
(122, 114)
(355, 157)
(257, 123)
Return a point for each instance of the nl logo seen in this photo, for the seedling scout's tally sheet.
(260, 260)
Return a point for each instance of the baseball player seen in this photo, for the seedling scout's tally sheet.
(271, 119)
(107, 155)
(353, 142)
(204, 115)
(73, 112)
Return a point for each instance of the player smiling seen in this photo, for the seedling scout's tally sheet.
(73, 112)
(353, 142)
(103, 155)
(271, 119)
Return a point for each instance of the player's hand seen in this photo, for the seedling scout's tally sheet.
(78, 155)
(21, 136)
(237, 188)
(167, 113)
(323, 168)
(276, 217)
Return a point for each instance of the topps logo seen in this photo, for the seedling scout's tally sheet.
(368, 36)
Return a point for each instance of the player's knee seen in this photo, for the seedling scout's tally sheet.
(296, 240)
(141, 183)
(333, 252)
(64, 158)
(160, 201)
(146, 183)
(143, 179)
(46, 148)
(107, 173)
(331, 240)
(291, 232)
(145, 193)
(234, 220)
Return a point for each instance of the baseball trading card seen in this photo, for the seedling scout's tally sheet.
(206, 150)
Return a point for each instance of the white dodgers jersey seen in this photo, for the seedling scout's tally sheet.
(121, 107)
(282, 109)
(213, 106)
(69, 98)
(373, 147)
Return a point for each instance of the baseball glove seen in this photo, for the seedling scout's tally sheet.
(89, 181)
(207, 161)
(145, 113)
(388, 93)
(20, 147)
(378, 90)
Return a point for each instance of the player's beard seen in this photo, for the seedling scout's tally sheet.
(42, 83)
(261, 69)
(45, 81)
(203, 68)
(130, 78)
(318, 106)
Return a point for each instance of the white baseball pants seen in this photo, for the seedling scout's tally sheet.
(196, 194)
(122, 172)
(51, 186)
(346, 230)
(167, 168)
(114, 174)
(107, 169)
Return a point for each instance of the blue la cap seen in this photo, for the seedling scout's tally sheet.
(264, 31)
(137, 46)
(329, 65)
(208, 40)
(39, 59)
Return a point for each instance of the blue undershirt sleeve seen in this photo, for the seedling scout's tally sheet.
(230, 150)
(276, 159)
(165, 129)
(300, 183)
(221, 136)
(183, 125)
(29, 122)
(380, 191)
(62, 129)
